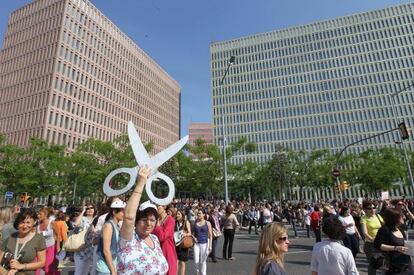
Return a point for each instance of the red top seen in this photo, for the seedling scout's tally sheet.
(165, 233)
(315, 216)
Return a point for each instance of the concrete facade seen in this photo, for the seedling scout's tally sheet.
(200, 130)
(320, 85)
(68, 73)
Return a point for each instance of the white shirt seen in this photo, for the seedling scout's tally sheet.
(99, 224)
(267, 216)
(346, 221)
(329, 257)
(306, 214)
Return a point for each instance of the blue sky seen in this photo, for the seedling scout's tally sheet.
(177, 33)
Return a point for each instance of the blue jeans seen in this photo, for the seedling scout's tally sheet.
(292, 222)
(213, 248)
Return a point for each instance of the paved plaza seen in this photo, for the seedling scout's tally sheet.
(297, 260)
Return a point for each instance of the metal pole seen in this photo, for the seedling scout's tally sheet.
(338, 156)
(226, 189)
(401, 141)
(74, 191)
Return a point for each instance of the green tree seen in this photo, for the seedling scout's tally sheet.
(278, 172)
(378, 169)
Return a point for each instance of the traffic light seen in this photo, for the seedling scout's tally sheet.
(403, 130)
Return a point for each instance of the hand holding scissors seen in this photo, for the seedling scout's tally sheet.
(142, 158)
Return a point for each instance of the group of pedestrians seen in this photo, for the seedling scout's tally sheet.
(135, 237)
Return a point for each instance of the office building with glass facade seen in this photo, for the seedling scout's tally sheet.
(321, 85)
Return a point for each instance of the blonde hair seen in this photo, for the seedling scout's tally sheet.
(268, 248)
(6, 215)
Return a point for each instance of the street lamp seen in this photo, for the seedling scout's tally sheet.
(400, 138)
(226, 189)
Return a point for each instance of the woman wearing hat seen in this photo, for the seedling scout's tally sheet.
(108, 244)
(139, 250)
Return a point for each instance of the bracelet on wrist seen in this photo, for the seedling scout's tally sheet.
(137, 192)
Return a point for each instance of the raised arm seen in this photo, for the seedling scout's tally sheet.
(78, 220)
(128, 224)
(165, 231)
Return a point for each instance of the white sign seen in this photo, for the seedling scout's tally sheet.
(360, 200)
(385, 195)
(142, 158)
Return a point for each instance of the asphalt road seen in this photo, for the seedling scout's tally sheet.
(297, 260)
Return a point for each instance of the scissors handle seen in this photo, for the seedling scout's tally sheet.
(171, 189)
(133, 173)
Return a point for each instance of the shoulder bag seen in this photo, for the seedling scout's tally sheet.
(76, 242)
(187, 242)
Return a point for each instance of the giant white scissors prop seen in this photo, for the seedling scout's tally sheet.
(142, 158)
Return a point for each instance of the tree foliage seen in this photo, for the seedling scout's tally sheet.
(45, 169)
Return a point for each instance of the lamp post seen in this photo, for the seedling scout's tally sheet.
(226, 189)
(400, 139)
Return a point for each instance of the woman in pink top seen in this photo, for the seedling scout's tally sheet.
(165, 233)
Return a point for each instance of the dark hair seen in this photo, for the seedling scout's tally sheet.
(333, 228)
(316, 208)
(343, 210)
(60, 216)
(145, 213)
(111, 213)
(23, 215)
(392, 218)
(366, 204)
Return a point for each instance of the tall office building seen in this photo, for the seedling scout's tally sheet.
(68, 73)
(321, 85)
(200, 130)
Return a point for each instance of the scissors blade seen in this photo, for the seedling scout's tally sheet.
(138, 148)
(168, 153)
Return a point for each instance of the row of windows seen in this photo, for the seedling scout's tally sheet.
(42, 25)
(73, 126)
(107, 70)
(10, 124)
(263, 134)
(85, 128)
(128, 68)
(299, 37)
(22, 104)
(301, 55)
(26, 88)
(107, 102)
(11, 56)
(143, 94)
(58, 137)
(42, 9)
(34, 74)
(86, 14)
(22, 137)
(319, 69)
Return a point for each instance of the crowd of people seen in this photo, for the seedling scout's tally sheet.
(136, 237)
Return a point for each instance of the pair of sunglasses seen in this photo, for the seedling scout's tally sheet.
(284, 239)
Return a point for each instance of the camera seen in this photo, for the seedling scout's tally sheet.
(8, 256)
